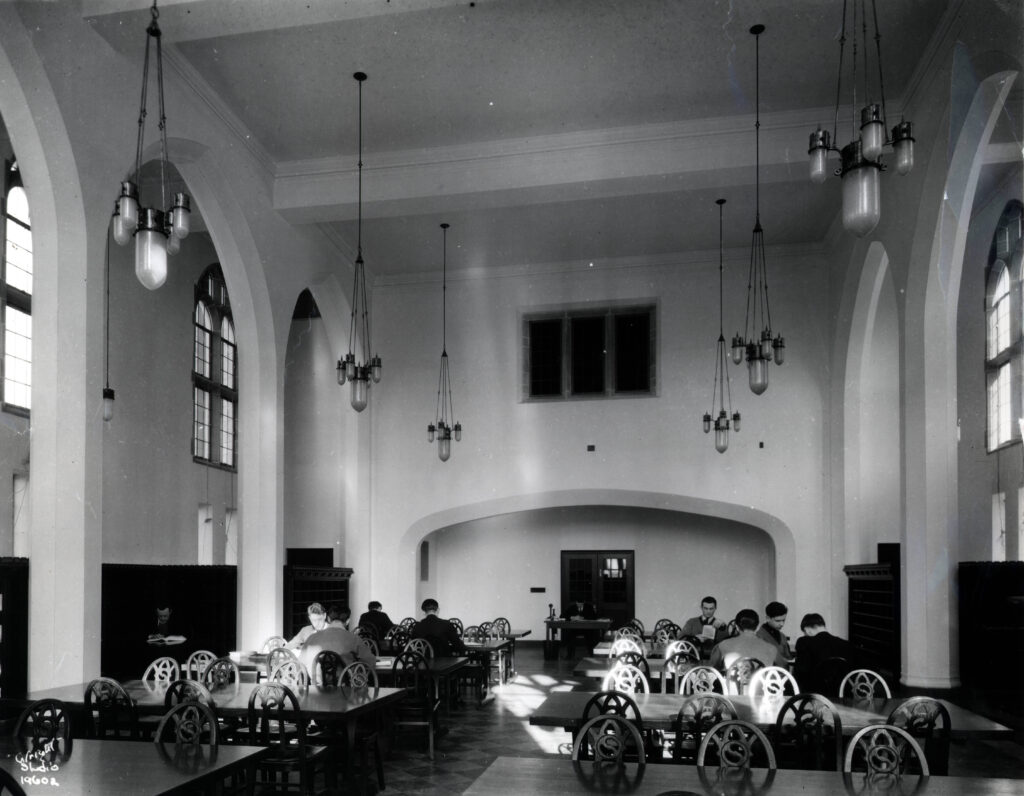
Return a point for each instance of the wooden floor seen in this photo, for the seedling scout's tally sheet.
(501, 727)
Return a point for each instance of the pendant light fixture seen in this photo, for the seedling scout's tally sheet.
(158, 231)
(358, 374)
(442, 426)
(108, 393)
(758, 344)
(722, 389)
(861, 159)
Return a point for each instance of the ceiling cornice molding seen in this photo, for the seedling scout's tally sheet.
(591, 164)
(738, 256)
(232, 124)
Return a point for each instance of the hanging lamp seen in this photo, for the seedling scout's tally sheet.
(722, 389)
(359, 373)
(158, 231)
(861, 159)
(758, 345)
(442, 426)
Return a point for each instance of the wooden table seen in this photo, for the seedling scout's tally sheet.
(651, 650)
(554, 625)
(485, 650)
(128, 768)
(565, 709)
(598, 668)
(442, 671)
(550, 776)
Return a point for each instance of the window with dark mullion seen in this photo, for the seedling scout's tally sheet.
(633, 352)
(587, 357)
(545, 357)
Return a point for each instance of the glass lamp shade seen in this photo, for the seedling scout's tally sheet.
(359, 388)
(151, 250)
(903, 145)
(444, 448)
(818, 150)
(721, 439)
(736, 421)
(862, 204)
(739, 346)
(128, 206)
(458, 432)
(350, 366)
(341, 372)
(430, 432)
(120, 231)
(173, 242)
(872, 132)
(180, 216)
(108, 403)
(779, 346)
(766, 344)
(758, 372)
(707, 422)
(375, 365)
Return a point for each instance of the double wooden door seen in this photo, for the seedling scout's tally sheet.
(605, 578)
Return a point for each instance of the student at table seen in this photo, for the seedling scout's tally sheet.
(771, 630)
(745, 645)
(317, 620)
(579, 609)
(813, 648)
(376, 618)
(338, 616)
(707, 627)
(439, 632)
(339, 639)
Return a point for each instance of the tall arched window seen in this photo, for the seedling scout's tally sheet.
(1003, 307)
(214, 373)
(16, 289)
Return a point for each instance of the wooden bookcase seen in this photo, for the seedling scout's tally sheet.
(874, 614)
(305, 585)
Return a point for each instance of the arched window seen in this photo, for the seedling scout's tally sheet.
(1004, 324)
(214, 373)
(16, 289)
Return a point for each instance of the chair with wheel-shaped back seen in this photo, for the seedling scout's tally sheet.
(293, 674)
(44, 725)
(110, 711)
(626, 678)
(457, 624)
(739, 673)
(736, 744)
(419, 708)
(625, 644)
(927, 721)
(808, 734)
(422, 646)
(221, 673)
(698, 714)
(701, 680)
(161, 672)
(196, 664)
(327, 668)
(773, 682)
(864, 684)
(273, 643)
(276, 657)
(188, 735)
(609, 739)
(884, 752)
(276, 721)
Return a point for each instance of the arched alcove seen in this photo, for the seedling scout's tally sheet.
(871, 414)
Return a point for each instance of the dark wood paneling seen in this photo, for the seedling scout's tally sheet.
(13, 627)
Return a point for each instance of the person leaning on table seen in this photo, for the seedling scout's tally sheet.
(317, 621)
(771, 631)
(441, 633)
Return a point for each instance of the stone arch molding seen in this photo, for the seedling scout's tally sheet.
(778, 531)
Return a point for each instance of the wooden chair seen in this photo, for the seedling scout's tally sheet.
(291, 673)
(109, 711)
(501, 627)
(276, 721)
(419, 708)
(273, 643)
(739, 673)
(682, 645)
(774, 682)
(699, 713)
(221, 673)
(809, 734)
(609, 739)
(196, 664)
(9, 785)
(736, 744)
(634, 659)
(361, 676)
(701, 680)
(627, 631)
(162, 672)
(662, 623)
(397, 637)
(327, 668)
(457, 624)
(864, 684)
(827, 676)
(471, 633)
(619, 703)
(45, 724)
(625, 644)
(187, 691)
(407, 624)
(422, 646)
(370, 645)
(367, 632)
(626, 678)
(883, 752)
(188, 735)
(276, 657)
(927, 720)
(485, 630)
(635, 622)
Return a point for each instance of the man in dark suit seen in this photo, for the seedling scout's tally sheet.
(580, 609)
(814, 648)
(439, 632)
(377, 619)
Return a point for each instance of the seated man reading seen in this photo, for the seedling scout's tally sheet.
(317, 621)
(579, 609)
(441, 633)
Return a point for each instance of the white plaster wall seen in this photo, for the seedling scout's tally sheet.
(677, 558)
(655, 444)
(313, 442)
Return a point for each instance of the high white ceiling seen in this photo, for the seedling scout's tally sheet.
(544, 131)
